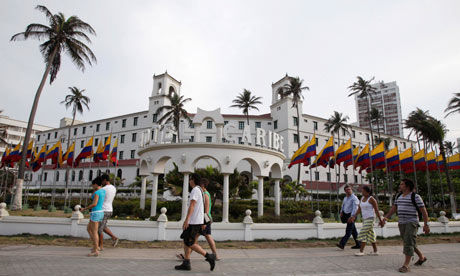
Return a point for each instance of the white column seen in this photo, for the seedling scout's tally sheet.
(225, 198)
(185, 196)
(277, 197)
(260, 195)
(153, 205)
(220, 129)
(143, 192)
(197, 127)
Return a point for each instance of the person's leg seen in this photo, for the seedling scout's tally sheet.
(101, 240)
(109, 232)
(348, 232)
(354, 233)
(197, 248)
(363, 245)
(212, 244)
(374, 246)
(95, 236)
(408, 233)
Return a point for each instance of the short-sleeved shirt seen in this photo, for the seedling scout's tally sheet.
(100, 201)
(209, 196)
(197, 216)
(110, 192)
(406, 210)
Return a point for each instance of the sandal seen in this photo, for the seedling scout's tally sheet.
(404, 269)
(180, 257)
(420, 262)
(93, 254)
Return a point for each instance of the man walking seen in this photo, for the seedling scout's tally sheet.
(349, 208)
(193, 226)
(408, 205)
(110, 192)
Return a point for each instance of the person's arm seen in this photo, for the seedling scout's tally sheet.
(390, 213)
(355, 206)
(353, 218)
(92, 205)
(343, 203)
(376, 210)
(189, 214)
(206, 203)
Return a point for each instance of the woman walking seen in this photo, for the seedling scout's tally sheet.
(207, 210)
(368, 208)
(96, 215)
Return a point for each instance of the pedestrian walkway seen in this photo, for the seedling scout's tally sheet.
(52, 260)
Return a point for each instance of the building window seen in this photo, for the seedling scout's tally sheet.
(343, 131)
(132, 153)
(73, 175)
(296, 121)
(240, 140)
(241, 125)
(45, 176)
(82, 143)
(208, 139)
(57, 176)
(135, 121)
(296, 138)
(356, 179)
(55, 135)
(275, 124)
(209, 124)
(105, 139)
(49, 136)
(225, 122)
(122, 139)
(328, 176)
(96, 141)
(258, 124)
(353, 133)
(152, 134)
(90, 176)
(404, 144)
(107, 126)
(345, 178)
(133, 138)
(154, 118)
(192, 138)
(119, 173)
(316, 176)
(367, 137)
(98, 126)
(38, 138)
(80, 175)
(123, 123)
(396, 143)
(120, 155)
(137, 172)
(75, 131)
(315, 125)
(83, 130)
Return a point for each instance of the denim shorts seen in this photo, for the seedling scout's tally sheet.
(96, 216)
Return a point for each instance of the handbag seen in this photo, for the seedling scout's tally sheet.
(207, 219)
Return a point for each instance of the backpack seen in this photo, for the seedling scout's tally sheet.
(412, 197)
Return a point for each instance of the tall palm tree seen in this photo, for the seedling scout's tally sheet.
(454, 105)
(174, 111)
(376, 117)
(295, 88)
(246, 101)
(363, 89)
(450, 146)
(77, 100)
(435, 132)
(62, 35)
(336, 123)
(417, 122)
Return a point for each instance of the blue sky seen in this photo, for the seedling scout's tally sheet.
(218, 48)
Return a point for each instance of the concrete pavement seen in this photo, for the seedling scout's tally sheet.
(443, 259)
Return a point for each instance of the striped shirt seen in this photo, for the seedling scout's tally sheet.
(406, 210)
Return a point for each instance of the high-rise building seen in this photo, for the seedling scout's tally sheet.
(387, 101)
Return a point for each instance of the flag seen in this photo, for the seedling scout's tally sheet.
(406, 161)
(98, 154)
(113, 154)
(87, 151)
(68, 156)
(36, 165)
(327, 153)
(419, 159)
(378, 156)
(392, 157)
(311, 151)
(42, 154)
(15, 154)
(441, 163)
(106, 150)
(344, 153)
(5, 157)
(431, 161)
(53, 152)
(355, 156)
(363, 160)
(454, 162)
(29, 149)
(299, 155)
(57, 160)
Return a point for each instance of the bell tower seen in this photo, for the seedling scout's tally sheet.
(162, 85)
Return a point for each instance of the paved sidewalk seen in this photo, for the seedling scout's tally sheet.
(443, 259)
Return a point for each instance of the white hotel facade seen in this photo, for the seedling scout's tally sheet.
(135, 129)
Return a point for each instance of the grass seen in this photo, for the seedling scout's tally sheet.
(257, 244)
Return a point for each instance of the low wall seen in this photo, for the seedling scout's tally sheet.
(170, 231)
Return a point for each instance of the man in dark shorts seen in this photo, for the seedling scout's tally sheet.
(110, 192)
(193, 226)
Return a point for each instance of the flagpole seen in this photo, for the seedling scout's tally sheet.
(413, 165)
(330, 190)
(388, 181)
(337, 179)
(440, 178)
(428, 182)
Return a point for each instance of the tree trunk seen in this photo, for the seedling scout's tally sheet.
(453, 204)
(17, 203)
(66, 192)
(369, 119)
(298, 143)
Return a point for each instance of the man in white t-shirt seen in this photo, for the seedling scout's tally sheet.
(193, 225)
(110, 192)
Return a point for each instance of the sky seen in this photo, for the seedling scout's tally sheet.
(219, 48)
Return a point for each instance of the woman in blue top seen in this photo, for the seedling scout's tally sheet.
(96, 214)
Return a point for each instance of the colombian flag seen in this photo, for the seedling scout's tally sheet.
(419, 159)
(378, 156)
(57, 161)
(311, 151)
(392, 157)
(454, 162)
(355, 156)
(29, 149)
(5, 157)
(113, 154)
(406, 161)
(15, 155)
(299, 155)
(87, 151)
(441, 163)
(363, 160)
(98, 155)
(68, 156)
(53, 152)
(344, 153)
(431, 161)
(106, 150)
(327, 152)
(42, 154)
(36, 165)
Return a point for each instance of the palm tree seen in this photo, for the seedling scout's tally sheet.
(376, 117)
(450, 146)
(77, 100)
(417, 122)
(62, 35)
(454, 105)
(363, 89)
(435, 132)
(295, 88)
(336, 123)
(246, 101)
(174, 111)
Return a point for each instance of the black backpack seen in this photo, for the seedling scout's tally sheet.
(412, 197)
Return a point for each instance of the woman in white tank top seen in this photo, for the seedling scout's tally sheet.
(368, 208)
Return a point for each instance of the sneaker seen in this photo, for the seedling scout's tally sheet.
(359, 254)
(373, 253)
(340, 246)
(211, 259)
(356, 247)
(184, 266)
(115, 242)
